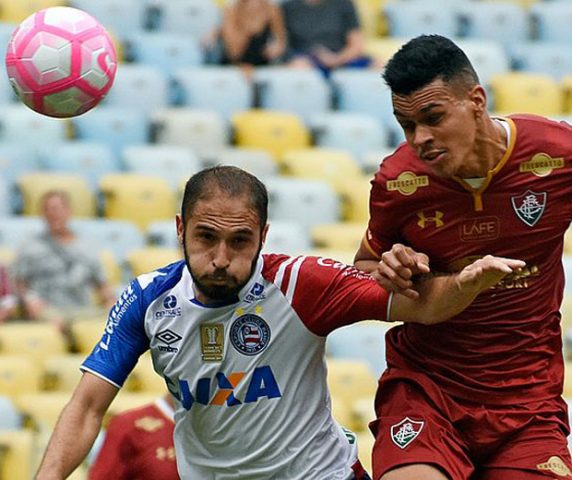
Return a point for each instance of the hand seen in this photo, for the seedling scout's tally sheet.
(326, 57)
(273, 50)
(486, 272)
(397, 268)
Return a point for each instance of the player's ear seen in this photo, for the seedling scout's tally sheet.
(478, 97)
(180, 227)
(263, 234)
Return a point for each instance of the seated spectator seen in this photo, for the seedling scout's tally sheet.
(252, 33)
(55, 273)
(8, 299)
(138, 444)
(324, 33)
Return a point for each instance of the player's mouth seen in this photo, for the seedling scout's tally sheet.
(433, 156)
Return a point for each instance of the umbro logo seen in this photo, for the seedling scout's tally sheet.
(168, 337)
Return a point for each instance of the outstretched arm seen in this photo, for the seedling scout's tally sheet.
(77, 428)
(443, 297)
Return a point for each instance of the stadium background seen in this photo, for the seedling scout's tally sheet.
(314, 141)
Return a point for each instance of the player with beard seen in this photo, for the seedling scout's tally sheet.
(239, 338)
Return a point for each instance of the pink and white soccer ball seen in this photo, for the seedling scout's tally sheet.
(61, 61)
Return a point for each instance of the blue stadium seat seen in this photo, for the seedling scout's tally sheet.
(415, 17)
(164, 50)
(355, 132)
(222, 89)
(19, 124)
(288, 197)
(256, 161)
(10, 417)
(118, 236)
(303, 92)
(90, 159)
(203, 130)
(163, 233)
(488, 57)
(289, 237)
(116, 127)
(171, 162)
(140, 87)
(6, 205)
(553, 20)
(543, 57)
(17, 159)
(366, 92)
(119, 18)
(194, 17)
(503, 22)
(14, 229)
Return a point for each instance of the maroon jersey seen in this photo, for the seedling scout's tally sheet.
(507, 345)
(138, 445)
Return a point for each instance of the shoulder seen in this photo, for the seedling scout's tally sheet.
(157, 282)
(536, 132)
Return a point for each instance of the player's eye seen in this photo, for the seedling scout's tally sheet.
(434, 119)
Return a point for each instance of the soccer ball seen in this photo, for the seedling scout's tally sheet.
(61, 62)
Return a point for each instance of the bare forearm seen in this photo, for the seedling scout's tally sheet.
(70, 443)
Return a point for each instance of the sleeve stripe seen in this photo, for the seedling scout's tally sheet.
(294, 279)
(281, 271)
(85, 369)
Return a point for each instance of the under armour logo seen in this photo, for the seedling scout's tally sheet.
(436, 219)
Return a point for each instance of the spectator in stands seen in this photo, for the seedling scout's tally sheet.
(253, 33)
(55, 273)
(138, 445)
(8, 299)
(324, 33)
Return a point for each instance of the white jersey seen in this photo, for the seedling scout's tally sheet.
(249, 377)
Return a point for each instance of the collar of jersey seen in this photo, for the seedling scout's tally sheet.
(243, 291)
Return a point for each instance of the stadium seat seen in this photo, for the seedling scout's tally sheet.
(365, 442)
(17, 159)
(553, 20)
(17, 10)
(197, 17)
(144, 379)
(350, 379)
(356, 133)
(287, 237)
(275, 132)
(542, 57)
(61, 372)
(34, 185)
(365, 92)
(172, 163)
(289, 197)
(14, 229)
(340, 236)
(117, 236)
(364, 341)
(147, 259)
(163, 233)
(19, 374)
(42, 409)
(254, 160)
(126, 400)
(143, 88)
(500, 21)
(488, 57)
(18, 122)
(415, 17)
(302, 92)
(86, 333)
(165, 51)
(137, 198)
(6, 207)
(10, 417)
(35, 340)
(7, 94)
(566, 84)
(223, 89)
(380, 50)
(354, 197)
(120, 18)
(203, 130)
(92, 160)
(333, 166)
(343, 256)
(527, 92)
(16, 454)
(117, 127)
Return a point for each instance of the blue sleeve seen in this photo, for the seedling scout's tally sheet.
(124, 339)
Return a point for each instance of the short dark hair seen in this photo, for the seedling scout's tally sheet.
(424, 59)
(230, 180)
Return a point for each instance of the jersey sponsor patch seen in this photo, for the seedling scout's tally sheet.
(212, 342)
(529, 206)
(404, 432)
(250, 334)
(407, 183)
(557, 466)
(541, 165)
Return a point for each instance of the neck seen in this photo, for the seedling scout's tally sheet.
(490, 146)
(63, 235)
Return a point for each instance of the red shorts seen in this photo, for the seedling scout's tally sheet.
(418, 423)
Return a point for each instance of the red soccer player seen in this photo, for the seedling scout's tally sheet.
(138, 445)
(478, 396)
